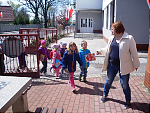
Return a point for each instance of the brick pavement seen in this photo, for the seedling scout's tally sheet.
(57, 93)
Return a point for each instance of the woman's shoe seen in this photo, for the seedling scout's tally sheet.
(127, 105)
(103, 99)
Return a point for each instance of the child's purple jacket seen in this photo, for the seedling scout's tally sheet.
(44, 51)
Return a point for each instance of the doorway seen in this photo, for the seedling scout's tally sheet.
(86, 25)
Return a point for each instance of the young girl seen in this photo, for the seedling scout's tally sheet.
(62, 51)
(56, 55)
(43, 53)
(69, 62)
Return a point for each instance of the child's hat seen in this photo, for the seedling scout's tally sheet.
(63, 43)
(42, 42)
(56, 46)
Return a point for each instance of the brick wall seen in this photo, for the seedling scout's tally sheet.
(147, 72)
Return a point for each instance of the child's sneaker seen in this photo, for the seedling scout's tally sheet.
(80, 78)
(52, 71)
(45, 74)
(73, 90)
(85, 81)
(62, 75)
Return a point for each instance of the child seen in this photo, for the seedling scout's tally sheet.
(69, 62)
(43, 53)
(22, 61)
(82, 54)
(2, 67)
(62, 51)
(56, 55)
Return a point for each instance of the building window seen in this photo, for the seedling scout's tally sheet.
(83, 22)
(90, 22)
(111, 14)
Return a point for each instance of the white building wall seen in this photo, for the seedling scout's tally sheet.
(134, 14)
(135, 18)
(106, 3)
(88, 4)
(107, 18)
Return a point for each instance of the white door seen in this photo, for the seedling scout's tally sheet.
(86, 25)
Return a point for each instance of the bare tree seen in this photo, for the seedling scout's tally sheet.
(45, 6)
(61, 18)
(34, 6)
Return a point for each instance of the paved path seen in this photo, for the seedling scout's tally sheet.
(55, 93)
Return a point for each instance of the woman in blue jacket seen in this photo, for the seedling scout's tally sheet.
(69, 62)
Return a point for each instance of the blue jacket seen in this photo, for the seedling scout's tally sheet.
(69, 61)
(82, 53)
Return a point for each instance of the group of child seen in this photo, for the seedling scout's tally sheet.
(67, 57)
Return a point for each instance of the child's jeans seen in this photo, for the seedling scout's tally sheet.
(44, 68)
(71, 80)
(83, 72)
(62, 71)
(57, 70)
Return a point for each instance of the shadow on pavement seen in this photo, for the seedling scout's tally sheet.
(94, 91)
(144, 107)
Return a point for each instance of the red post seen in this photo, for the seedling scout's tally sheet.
(56, 35)
(46, 34)
(28, 38)
(20, 32)
(37, 46)
(38, 32)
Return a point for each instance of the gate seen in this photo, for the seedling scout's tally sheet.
(12, 47)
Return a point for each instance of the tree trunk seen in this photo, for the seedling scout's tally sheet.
(45, 15)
